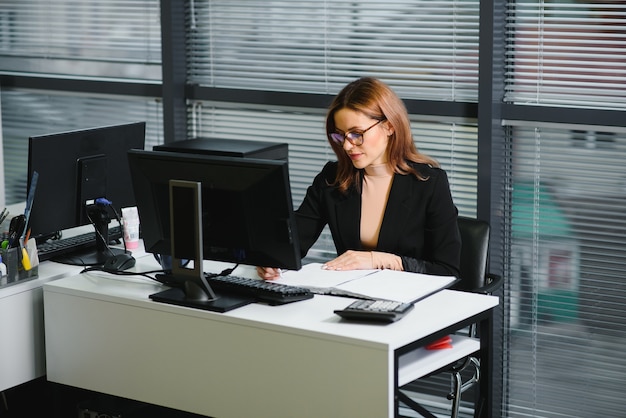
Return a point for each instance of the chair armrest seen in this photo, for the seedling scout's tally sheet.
(494, 282)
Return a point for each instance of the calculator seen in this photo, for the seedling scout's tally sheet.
(375, 310)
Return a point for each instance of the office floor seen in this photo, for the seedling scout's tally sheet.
(41, 398)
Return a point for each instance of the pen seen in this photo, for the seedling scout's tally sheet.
(29, 200)
(4, 214)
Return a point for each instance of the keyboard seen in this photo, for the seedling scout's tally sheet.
(260, 290)
(54, 248)
(375, 310)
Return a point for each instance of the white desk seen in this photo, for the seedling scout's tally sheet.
(22, 348)
(22, 351)
(299, 359)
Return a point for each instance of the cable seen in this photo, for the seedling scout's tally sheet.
(119, 222)
(124, 273)
(226, 272)
(146, 274)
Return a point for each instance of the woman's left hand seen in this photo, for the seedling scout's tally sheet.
(365, 260)
(351, 260)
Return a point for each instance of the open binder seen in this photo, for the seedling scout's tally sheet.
(393, 285)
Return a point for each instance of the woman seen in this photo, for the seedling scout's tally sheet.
(387, 205)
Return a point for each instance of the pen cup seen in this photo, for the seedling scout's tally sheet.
(12, 258)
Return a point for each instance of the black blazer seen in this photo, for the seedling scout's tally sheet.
(419, 225)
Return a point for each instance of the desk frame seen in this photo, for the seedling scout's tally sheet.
(483, 405)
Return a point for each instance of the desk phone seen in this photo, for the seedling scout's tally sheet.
(375, 310)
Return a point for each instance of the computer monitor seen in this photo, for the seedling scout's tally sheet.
(245, 211)
(75, 168)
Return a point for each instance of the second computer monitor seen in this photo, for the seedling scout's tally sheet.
(75, 168)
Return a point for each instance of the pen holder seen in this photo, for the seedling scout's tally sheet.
(12, 257)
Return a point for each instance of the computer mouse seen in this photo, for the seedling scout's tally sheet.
(119, 262)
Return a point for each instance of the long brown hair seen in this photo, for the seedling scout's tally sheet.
(378, 101)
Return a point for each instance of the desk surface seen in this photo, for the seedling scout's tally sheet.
(103, 333)
(311, 316)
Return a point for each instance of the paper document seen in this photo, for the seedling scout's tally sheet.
(400, 286)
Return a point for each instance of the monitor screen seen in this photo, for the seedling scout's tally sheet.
(76, 167)
(247, 213)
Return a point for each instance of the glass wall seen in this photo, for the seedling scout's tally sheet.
(53, 51)
(113, 39)
(566, 68)
(425, 50)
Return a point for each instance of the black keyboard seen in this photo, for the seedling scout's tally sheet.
(54, 248)
(375, 310)
(260, 290)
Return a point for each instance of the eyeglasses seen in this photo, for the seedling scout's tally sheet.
(355, 138)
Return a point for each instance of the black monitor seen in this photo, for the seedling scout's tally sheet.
(79, 173)
(245, 212)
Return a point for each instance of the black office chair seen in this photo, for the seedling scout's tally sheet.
(474, 278)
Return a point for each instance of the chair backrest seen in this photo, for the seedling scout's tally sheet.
(474, 251)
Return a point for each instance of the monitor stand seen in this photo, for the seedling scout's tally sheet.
(102, 252)
(181, 296)
(191, 287)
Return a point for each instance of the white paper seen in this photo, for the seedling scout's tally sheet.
(400, 286)
(394, 285)
(314, 276)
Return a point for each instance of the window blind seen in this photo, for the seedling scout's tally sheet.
(74, 40)
(566, 292)
(426, 49)
(27, 113)
(452, 143)
(114, 39)
(565, 282)
(566, 53)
